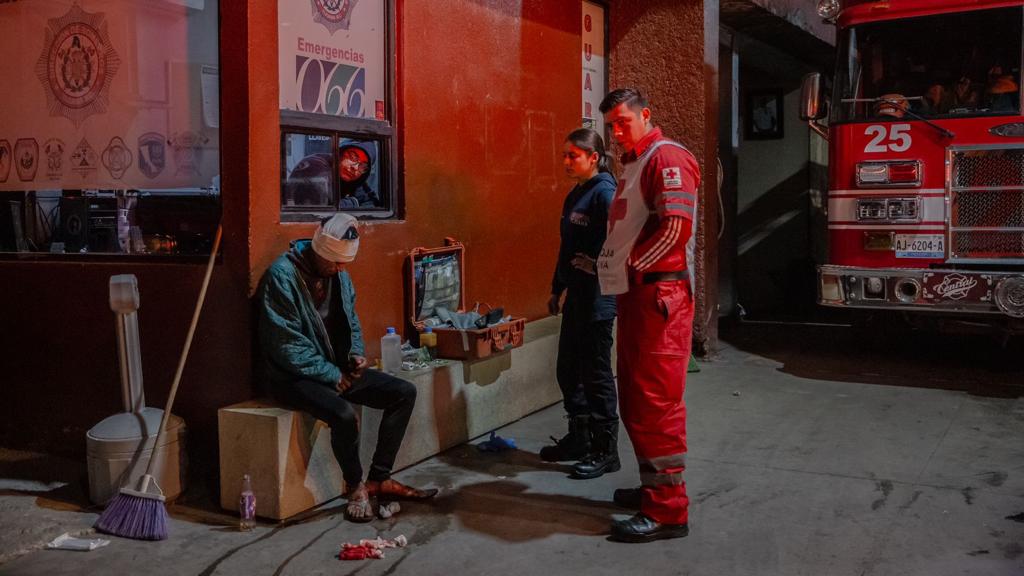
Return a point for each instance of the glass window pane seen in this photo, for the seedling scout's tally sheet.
(308, 167)
(957, 64)
(109, 126)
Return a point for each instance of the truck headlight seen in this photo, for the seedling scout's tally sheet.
(901, 173)
(888, 209)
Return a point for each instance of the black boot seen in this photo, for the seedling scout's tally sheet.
(604, 452)
(572, 446)
(641, 528)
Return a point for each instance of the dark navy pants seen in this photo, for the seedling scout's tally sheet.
(584, 368)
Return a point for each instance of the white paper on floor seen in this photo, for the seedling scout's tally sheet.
(68, 542)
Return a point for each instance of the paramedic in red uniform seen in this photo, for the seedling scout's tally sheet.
(647, 261)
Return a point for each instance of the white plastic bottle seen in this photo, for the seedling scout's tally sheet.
(246, 506)
(391, 352)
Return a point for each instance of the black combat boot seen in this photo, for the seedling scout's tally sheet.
(604, 452)
(642, 528)
(572, 446)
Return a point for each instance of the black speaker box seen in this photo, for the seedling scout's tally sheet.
(12, 234)
(74, 223)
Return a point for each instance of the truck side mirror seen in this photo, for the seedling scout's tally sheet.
(811, 107)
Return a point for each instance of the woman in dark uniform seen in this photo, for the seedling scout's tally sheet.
(584, 346)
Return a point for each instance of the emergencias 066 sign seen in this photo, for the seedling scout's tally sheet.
(332, 56)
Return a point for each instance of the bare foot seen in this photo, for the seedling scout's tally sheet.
(359, 508)
(393, 489)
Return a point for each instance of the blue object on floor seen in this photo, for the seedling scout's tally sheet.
(496, 444)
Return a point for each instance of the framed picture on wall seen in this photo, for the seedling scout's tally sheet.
(764, 114)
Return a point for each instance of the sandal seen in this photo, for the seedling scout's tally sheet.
(392, 489)
(360, 511)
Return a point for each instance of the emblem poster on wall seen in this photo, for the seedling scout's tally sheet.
(595, 84)
(107, 94)
(332, 57)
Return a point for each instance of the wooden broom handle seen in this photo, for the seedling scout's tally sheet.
(184, 351)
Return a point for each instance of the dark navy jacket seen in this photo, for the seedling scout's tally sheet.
(584, 226)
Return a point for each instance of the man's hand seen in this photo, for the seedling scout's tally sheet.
(356, 366)
(344, 383)
(584, 263)
(553, 304)
(351, 373)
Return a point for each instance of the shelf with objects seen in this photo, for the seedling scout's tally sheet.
(108, 223)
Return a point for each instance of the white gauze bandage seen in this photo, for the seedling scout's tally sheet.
(334, 242)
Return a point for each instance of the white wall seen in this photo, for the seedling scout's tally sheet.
(766, 163)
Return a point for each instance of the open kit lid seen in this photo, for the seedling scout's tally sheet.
(435, 279)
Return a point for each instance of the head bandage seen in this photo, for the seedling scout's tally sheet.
(337, 239)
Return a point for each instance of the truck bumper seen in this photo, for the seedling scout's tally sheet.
(947, 291)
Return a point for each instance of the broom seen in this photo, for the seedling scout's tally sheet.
(140, 513)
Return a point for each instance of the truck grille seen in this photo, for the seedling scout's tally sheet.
(986, 208)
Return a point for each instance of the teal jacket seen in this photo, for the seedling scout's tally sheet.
(293, 339)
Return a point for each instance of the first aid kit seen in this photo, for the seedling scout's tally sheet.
(435, 297)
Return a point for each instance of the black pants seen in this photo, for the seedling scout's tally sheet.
(374, 389)
(584, 369)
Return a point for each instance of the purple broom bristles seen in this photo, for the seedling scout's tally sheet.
(133, 516)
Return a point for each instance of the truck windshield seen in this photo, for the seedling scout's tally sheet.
(950, 65)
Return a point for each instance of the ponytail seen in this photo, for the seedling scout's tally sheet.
(590, 142)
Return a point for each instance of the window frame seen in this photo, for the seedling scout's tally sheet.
(381, 131)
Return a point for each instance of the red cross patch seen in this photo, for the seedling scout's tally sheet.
(671, 177)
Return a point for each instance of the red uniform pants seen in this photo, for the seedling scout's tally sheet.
(654, 335)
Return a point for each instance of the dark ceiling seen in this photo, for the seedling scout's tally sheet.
(748, 18)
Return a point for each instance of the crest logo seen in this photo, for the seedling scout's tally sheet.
(77, 65)
(26, 158)
(333, 14)
(54, 150)
(83, 159)
(117, 158)
(955, 286)
(188, 152)
(5, 160)
(152, 154)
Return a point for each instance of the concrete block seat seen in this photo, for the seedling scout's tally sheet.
(288, 454)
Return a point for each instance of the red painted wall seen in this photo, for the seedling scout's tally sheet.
(486, 93)
(60, 374)
(487, 90)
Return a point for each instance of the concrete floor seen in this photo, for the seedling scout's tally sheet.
(810, 453)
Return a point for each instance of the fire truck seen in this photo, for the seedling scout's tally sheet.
(926, 159)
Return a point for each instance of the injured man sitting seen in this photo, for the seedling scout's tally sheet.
(312, 359)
